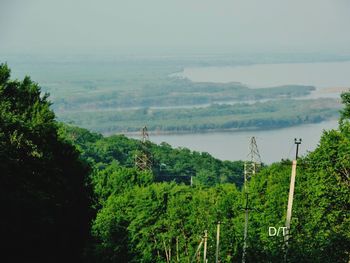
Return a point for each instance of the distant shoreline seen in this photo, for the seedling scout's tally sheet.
(212, 131)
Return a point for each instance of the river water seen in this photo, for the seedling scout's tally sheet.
(321, 75)
(273, 145)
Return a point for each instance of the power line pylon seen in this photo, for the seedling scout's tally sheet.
(144, 134)
(251, 167)
(253, 164)
(143, 160)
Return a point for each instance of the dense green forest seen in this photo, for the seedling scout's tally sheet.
(260, 115)
(172, 92)
(70, 195)
(168, 164)
(44, 188)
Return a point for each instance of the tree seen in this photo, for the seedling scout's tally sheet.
(345, 113)
(43, 191)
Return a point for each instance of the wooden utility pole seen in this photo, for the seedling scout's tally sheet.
(205, 246)
(291, 197)
(217, 243)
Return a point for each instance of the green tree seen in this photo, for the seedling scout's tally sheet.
(345, 113)
(43, 193)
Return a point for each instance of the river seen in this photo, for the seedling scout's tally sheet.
(320, 74)
(273, 145)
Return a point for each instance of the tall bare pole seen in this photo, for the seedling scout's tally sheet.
(205, 246)
(291, 197)
(217, 243)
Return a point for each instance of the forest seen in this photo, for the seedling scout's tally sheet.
(243, 116)
(160, 92)
(72, 195)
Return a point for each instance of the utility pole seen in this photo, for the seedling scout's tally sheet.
(217, 243)
(297, 142)
(251, 167)
(205, 246)
(143, 157)
(290, 197)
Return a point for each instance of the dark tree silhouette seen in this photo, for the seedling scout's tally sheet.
(43, 192)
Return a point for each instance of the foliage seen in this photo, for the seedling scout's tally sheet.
(163, 219)
(345, 113)
(241, 116)
(150, 216)
(158, 220)
(43, 192)
(168, 164)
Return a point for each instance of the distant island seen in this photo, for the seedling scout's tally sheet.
(216, 117)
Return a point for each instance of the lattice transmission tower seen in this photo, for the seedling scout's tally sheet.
(253, 164)
(251, 167)
(143, 157)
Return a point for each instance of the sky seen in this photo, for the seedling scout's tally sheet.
(207, 25)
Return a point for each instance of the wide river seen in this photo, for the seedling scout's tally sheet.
(275, 144)
(321, 75)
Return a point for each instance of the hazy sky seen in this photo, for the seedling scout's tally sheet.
(250, 25)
